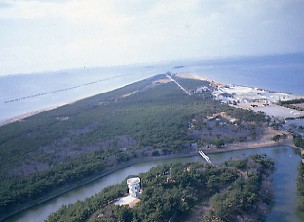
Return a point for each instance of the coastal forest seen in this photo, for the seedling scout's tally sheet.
(237, 190)
(53, 151)
(297, 104)
(300, 189)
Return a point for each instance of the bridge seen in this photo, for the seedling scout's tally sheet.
(205, 156)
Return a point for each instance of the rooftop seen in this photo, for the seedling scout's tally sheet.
(133, 180)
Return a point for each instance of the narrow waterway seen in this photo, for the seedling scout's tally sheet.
(284, 178)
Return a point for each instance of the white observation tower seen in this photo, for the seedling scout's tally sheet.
(134, 187)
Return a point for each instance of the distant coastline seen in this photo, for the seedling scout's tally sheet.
(265, 141)
(266, 72)
(277, 109)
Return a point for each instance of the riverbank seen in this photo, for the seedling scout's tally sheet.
(51, 126)
(111, 170)
(264, 142)
(174, 187)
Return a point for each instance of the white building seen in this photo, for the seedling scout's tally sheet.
(134, 187)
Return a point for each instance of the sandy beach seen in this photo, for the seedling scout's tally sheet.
(26, 115)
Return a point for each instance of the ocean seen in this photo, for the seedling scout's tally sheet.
(25, 93)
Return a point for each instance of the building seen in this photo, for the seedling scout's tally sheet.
(134, 192)
(134, 187)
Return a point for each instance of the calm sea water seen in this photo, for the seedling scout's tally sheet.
(280, 73)
(20, 94)
(25, 93)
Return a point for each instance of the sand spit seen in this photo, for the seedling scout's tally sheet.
(28, 114)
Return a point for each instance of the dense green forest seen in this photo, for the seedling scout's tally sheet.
(298, 141)
(239, 189)
(300, 189)
(48, 152)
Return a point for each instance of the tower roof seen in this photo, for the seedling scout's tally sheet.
(134, 180)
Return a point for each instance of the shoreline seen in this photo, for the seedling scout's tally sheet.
(228, 148)
(181, 75)
(29, 114)
(92, 179)
(264, 142)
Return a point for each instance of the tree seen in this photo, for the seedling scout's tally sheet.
(276, 138)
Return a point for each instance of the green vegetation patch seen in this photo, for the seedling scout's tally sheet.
(237, 189)
(298, 141)
(296, 104)
(300, 189)
(53, 150)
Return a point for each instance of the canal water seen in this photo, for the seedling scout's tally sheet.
(284, 179)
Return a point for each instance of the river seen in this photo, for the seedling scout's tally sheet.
(284, 179)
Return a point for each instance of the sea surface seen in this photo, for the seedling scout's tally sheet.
(25, 93)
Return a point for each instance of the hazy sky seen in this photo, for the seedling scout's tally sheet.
(38, 35)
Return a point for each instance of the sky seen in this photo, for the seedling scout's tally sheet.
(42, 35)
